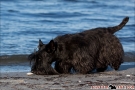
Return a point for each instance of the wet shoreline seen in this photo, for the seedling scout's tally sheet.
(23, 59)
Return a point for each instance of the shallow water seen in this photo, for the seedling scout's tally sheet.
(27, 68)
(23, 22)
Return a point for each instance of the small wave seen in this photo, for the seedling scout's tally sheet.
(12, 10)
(56, 14)
(127, 39)
(52, 21)
(131, 25)
(7, 0)
(96, 19)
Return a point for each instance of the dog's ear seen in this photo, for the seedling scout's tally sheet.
(40, 44)
(51, 46)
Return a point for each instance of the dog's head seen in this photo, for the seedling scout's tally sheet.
(42, 59)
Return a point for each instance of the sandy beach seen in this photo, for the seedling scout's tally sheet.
(124, 79)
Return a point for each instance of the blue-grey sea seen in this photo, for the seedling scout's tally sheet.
(24, 22)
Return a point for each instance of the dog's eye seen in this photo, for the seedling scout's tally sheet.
(48, 51)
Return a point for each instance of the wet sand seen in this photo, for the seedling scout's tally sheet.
(21, 81)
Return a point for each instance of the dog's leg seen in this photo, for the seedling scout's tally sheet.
(101, 69)
(62, 67)
(116, 64)
(51, 71)
(43, 71)
(84, 66)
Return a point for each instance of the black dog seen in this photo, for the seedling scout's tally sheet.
(85, 51)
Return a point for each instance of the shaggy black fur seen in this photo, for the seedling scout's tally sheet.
(91, 49)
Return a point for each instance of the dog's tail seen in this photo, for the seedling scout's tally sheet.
(114, 29)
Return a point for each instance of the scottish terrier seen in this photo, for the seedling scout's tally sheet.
(85, 51)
